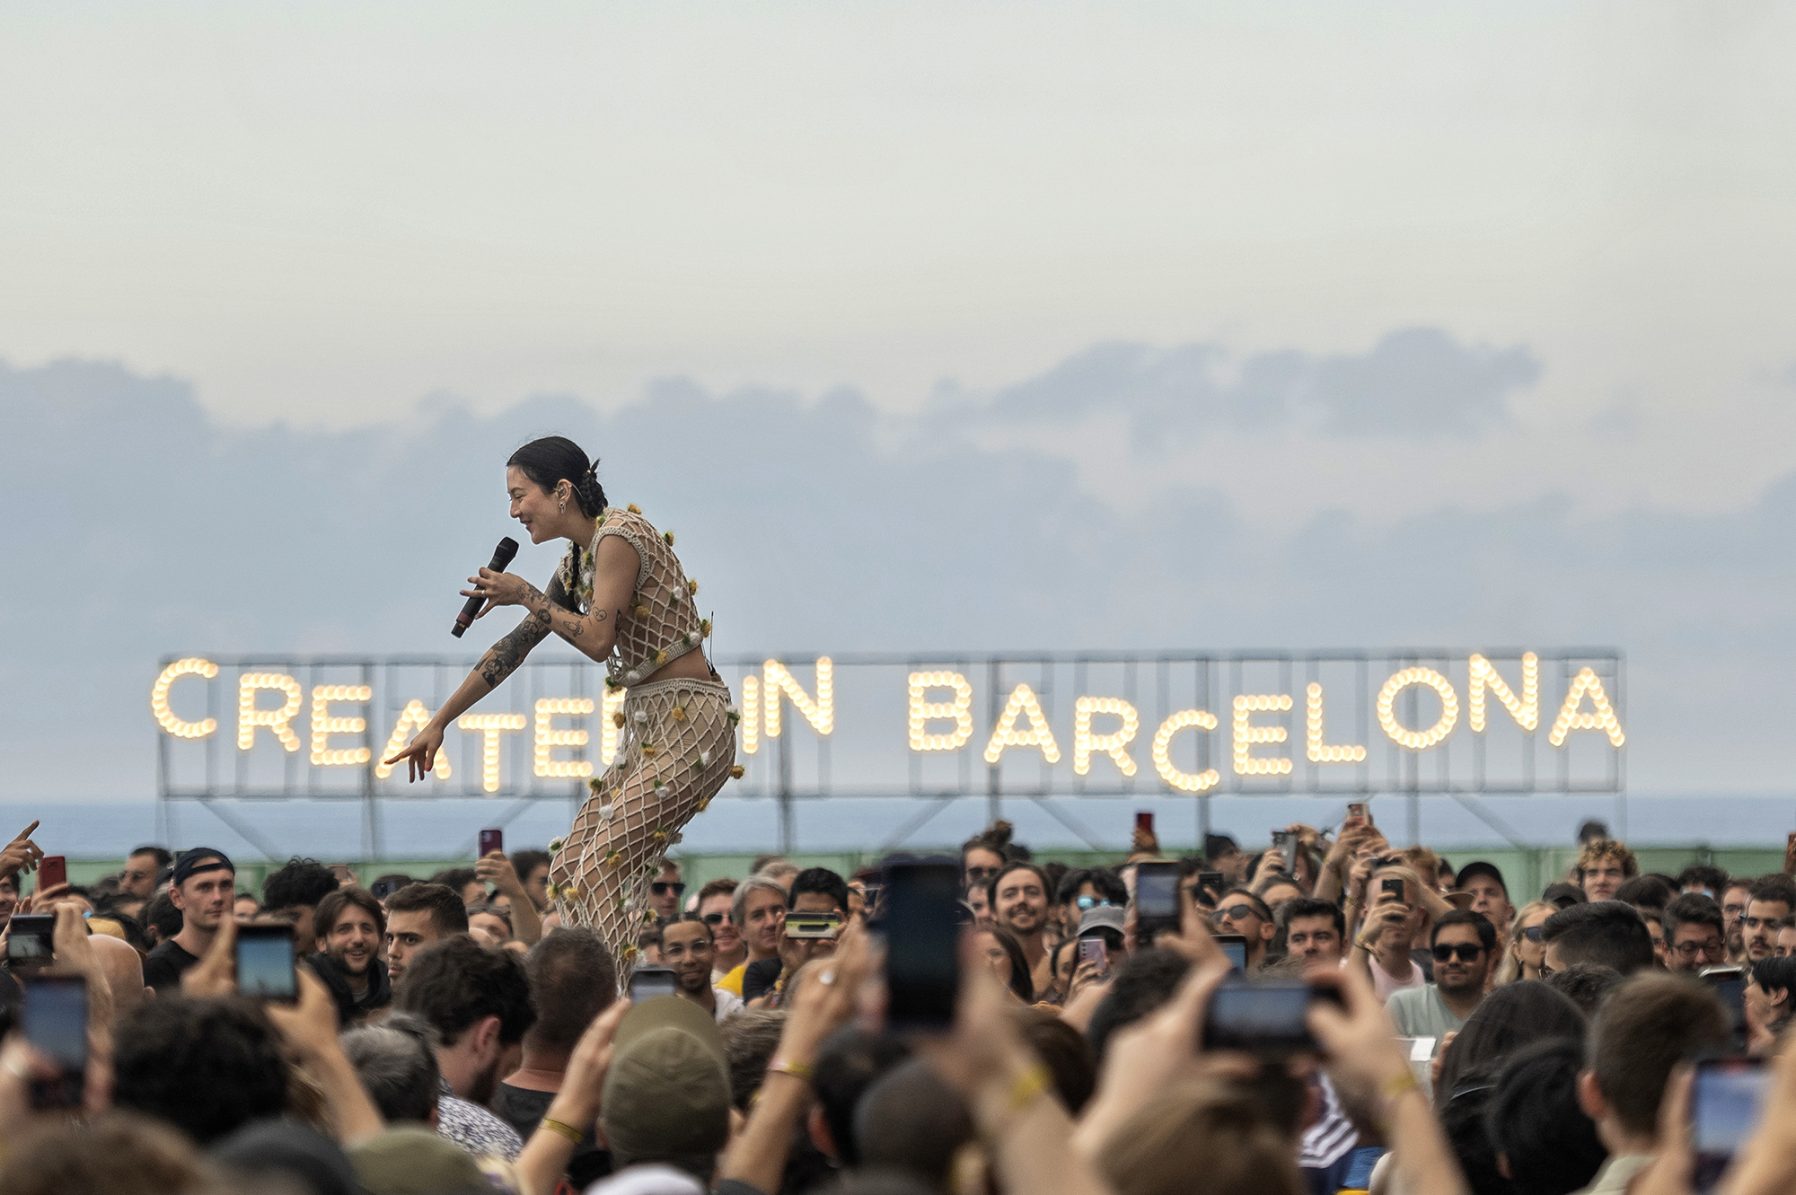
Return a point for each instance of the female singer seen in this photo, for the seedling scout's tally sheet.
(620, 597)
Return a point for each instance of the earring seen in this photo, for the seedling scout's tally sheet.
(563, 504)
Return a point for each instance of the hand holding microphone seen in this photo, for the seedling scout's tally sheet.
(491, 586)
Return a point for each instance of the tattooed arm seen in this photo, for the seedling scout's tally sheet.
(613, 582)
(502, 658)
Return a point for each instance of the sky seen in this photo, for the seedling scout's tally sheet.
(928, 326)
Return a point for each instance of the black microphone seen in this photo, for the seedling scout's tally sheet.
(508, 547)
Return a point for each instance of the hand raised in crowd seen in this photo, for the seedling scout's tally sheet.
(1270, 863)
(216, 972)
(495, 868)
(21, 854)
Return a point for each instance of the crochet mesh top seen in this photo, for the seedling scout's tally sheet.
(662, 622)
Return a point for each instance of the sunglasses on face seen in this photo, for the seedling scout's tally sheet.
(715, 918)
(1465, 952)
(1532, 933)
(980, 873)
(1237, 912)
(663, 887)
(1093, 902)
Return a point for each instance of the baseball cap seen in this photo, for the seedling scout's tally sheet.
(667, 1094)
(201, 858)
(1102, 917)
(1479, 867)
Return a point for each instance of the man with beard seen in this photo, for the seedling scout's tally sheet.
(478, 1001)
(1768, 905)
(1019, 903)
(350, 925)
(1465, 949)
(205, 884)
(686, 951)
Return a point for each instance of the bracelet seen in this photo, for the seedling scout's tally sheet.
(562, 1130)
(1026, 1087)
(785, 1066)
(1396, 1087)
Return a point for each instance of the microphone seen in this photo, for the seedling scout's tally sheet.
(508, 547)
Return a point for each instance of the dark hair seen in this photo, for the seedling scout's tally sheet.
(528, 860)
(1646, 891)
(1712, 878)
(1693, 908)
(455, 878)
(1462, 1110)
(1066, 1054)
(1487, 933)
(164, 858)
(573, 979)
(1585, 984)
(1305, 906)
(554, 459)
(162, 916)
(819, 880)
(660, 928)
(207, 1067)
(1021, 985)
(1218, 845)
(724, 885)
(849, 1062)
(749, 1040)
(1261, 909)
(443, 904)
(457, 981)
(1774, 974)
(1536, 1125)
(994, 838)
(1146, 981)
(1775, 887)
(396, 1061)
(910, 1120)
(334, 903)
(298, 883)
(1603, 931)
(1512, 1016)
(1650, 1025)
(1107, 882)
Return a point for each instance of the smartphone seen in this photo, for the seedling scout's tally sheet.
(1729, 983)
(381, 889)
(1285, 843)
(265, 963)
(1263, 1018)
(922, 944)
(31, 940)
(490, 841)
(1361, 810)
(870, 898)
(1392, 885)
(648, 982)
(1156, 898)
(1726, 1101)
(812, 925)
(51, 871)
(1212, 882)
(1234, 947)
(1144, 820)
(55, 1019)
(1092, 950)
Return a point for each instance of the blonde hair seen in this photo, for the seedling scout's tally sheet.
(1201, 1126)
(1511, 968)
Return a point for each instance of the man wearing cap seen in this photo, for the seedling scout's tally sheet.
(1490, 895)
(205, 884)
(666, 1102)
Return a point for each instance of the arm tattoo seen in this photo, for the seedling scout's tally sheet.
(509, 652)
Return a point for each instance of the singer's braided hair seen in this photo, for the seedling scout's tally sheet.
(553, 459)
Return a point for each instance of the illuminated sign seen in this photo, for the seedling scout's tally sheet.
(1472, 721)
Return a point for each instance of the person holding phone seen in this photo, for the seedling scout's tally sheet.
(621, 597)
(1239, 911)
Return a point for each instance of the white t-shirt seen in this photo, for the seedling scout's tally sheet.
(728, 1004)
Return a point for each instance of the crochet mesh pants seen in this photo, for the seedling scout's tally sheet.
(678, 745)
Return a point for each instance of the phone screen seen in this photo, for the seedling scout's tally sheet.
(55, 1018)
(1263, 1018)
(649, 982)
(30, 938)
(1725, 1105)
(1157, 894)
(921, 902)
(265, 962)
(1234, 948)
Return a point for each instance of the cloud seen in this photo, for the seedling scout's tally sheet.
(1413, 383)
(139, 525)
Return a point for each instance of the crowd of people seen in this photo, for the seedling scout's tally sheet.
(448, 1035)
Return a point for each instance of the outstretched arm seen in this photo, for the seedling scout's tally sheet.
(593, 633)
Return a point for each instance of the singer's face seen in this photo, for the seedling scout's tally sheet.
(532, 505)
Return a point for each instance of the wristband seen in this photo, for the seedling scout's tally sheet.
(785, 1066)
(1396, 1087)
(562, 1130)
(1024, 1089)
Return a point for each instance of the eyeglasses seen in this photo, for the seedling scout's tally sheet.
(1532, 933)
(1692, 949)
(1094, 902)
(975, 874)
(1236, 912)
(663, 887)
(1465, 952)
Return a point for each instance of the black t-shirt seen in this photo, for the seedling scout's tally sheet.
(523, 1110)
(163, 967)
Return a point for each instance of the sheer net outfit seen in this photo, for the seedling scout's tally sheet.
(676, 749)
